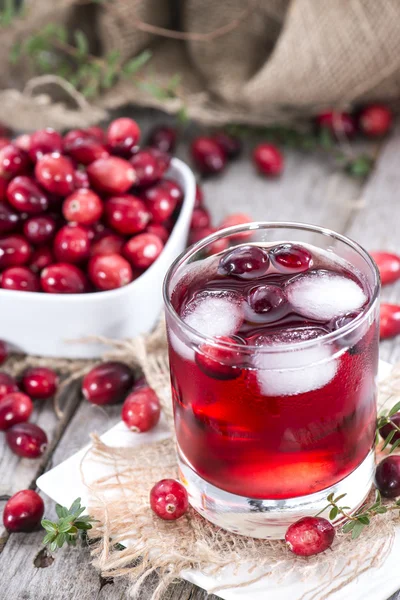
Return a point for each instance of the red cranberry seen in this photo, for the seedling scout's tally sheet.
(81, 179)
(123, 136)
(23, 142)
(109, 272)
(86, 150)
(215, 247)
(126, 214)
(173, 188)
(23, 511)
(160, 203)
(268, 160)
(388, 265)
(390, 320)
(199, 198)
(290, 258)
(56, 174)
(163, 137)
(41, 258)
(14, 251)
(200, 218)
(27, 440)
(83, 206)
(237, 219)
(245, 262)
(158, 230)
(3, 352)
(265, 299)
(25, 195)
(4, 141)
(208, 156)
(387, 429)
(14, 408)
(169, 499)
(39, 382)
(112, 175)
(63, 278)
(74, 135)
(100, 230)
(338, 123)
(219, 362)
(3, 188)
(143, 249)
(40, 230)
(13, 161)
(146, 168)
(229, 144)
(387, 476)
(107, 383)
(8, 385)
(71, 244)
(44, 141)
(309, 536)
(375, 120)
(109, 244)
(163, 159)
(96, 133)
(21, 279)
(141, 410)
(8, 219)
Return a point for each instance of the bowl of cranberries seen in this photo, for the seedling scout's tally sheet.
(89, 223)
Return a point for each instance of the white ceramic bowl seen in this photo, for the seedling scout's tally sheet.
(42, 324)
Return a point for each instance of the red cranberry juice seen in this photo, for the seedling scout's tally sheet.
(262, 409)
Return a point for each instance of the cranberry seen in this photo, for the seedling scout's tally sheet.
(173, 188)
(229, 144)
(387, 476)
(13, 161)
(26, 196)
(219, 362)
(141, 410)
(14, 408)
(290, 258)
(215, 247)
(71, 244)
(390, 320)
(39, 230)
(146, 168)
(200, 218)
(8, 219)
(63, 278)
(8, 385)
(74, 135)
(41, 258)
(40, 383)
(23, 142)
(158, 230)
(169, 499)
(237, 219)
(14, 251)
(387, 429)
(199, 198)
(82, 206)
(163, 137)
(86, 150)
(44, 141)
(268, 160)
(126, 214)
(109, 272)
(267, 299)
(27, 440)
(3, 188)
(3, 352)
(4, 141)
(23, 511)
(112, 175)
(160, 203)
(107, 383)
(143, 249)
(338, 123)
(309, 536)
(388, 265)
(207, 155)
(97, 133)
(109, 244)
(21, 279)
(81, 179)
(123, 136)
(56, 174)
(375, 120)
(246, 262)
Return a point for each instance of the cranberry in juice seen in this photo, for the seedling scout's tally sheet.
(266, 406)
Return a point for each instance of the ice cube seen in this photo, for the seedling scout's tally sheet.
(323, 295)
(214, 312)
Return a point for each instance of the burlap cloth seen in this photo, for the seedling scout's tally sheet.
(250, 61)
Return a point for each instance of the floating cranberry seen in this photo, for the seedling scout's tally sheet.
(338, 123)
(56, 174)
(86, 150)
(14, 251)
(63, 278)
(200, 218)
(40, 230)
(388, 265)
(81, 179)
(83, 206)
(173, 188)
(41, 258)
(245, 262)
(199, 198)
(143, 249)
(23, 511)
(112, 175)
(107, 383)
(268, 160)
(8, 219)
(290, 258)
(3, 352)
(229, 144)
(265, 299)
(13, 161)
(237, 219)
(8, 385)
(97, 133)
(109, 244)
(141, 410)
(158, 230)
(163, 137)
(375, 120)
(39, 382)
(109, 272)
(71, 244)
(208, 156)
(219, 362)
(390, 320)
(14, 408)
(146, 168)
(23, 142)
(27, 440)
(26, 196)
(387, 476)
(169, 499)
(387, 429)
(309, 536)
(126, 214)
(44, 141)
(123, 136)
(21, 279)
(160, 203)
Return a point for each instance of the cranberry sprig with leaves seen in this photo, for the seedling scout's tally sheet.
(68, 528)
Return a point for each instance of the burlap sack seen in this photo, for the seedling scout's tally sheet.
(250, 61)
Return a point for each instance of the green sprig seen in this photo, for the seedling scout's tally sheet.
(68, 528)
(386, 419)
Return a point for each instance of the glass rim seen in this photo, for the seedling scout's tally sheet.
(258, 225)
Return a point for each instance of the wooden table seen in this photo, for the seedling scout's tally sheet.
(311, 190)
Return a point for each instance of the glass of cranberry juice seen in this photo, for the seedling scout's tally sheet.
(273, 345)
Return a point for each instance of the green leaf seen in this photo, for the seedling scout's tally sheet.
(394, 409)
(357, 529)
(381, 510)
(133, 65)
(76, 505)
(61, 538)
(326, 139)
(49, 537)
(83, 525)
(82, 44)
(65, 526)
(62, 511)
(338, 498)
(49, 525)
(348, 526)
(330, 497)
(363, 519)
(389, 438)
(333, 513)
(360, 166)
(53, 546)
(395, 445)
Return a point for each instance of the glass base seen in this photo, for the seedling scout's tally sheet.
(269, 519)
